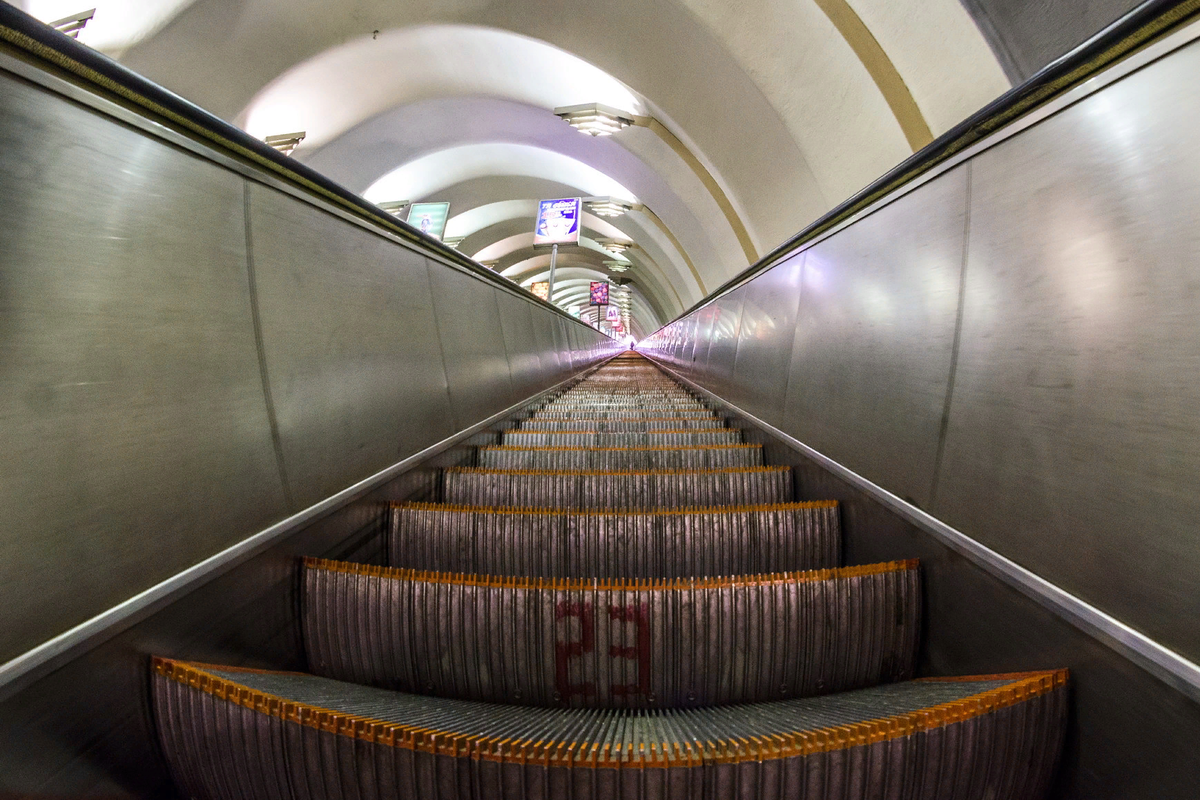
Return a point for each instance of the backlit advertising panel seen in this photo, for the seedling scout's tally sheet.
(599, 294)
(541, 289)
(429, 218)
(613, 314)
(557, 222)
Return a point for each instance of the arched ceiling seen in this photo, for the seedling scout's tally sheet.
(754, 117)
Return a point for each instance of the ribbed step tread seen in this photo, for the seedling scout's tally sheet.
(612, 644)
(662, 543)
(632, 424)
(633, 489)
(621, 414)
(231, 734)
(722, 456)
(685, 438)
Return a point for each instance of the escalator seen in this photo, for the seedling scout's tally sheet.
(618, 600)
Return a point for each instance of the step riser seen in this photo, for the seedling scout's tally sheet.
(616, 460)
(525, 438)
(619, 414)
(635, 491)
(596, 545)
(222, 750)
(597, 648)
(621, 426)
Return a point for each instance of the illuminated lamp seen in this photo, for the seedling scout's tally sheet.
(395, 207)
(453, 241)
(595, 119)
(614, 246)
(617, 266)
(285, 142)
(73, 24)
(609, 206)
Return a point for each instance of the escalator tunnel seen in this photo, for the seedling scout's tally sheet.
(432, 537)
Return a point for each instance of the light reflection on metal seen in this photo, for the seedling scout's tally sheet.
(595, 119)
(285, 142)
(72, 25)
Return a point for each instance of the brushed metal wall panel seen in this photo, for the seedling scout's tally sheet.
(524, 365)
(875, 335)
(698, 368)
(562, 344)
(722, 350)
(1074, 438)
(130, 394)
(543, 335)
(765, 337)
(350, 345)
(468, 325)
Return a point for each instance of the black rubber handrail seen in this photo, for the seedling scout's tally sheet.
(99, 73)
(1142, 26)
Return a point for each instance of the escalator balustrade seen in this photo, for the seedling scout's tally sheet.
(620, 600)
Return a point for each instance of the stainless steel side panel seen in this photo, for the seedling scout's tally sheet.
(348, 334)
(723, 348)
(1074, 438)
(135, 436)
(543, 335)
(875, 336)
(516, 323)
(468, 327)
(764, 346)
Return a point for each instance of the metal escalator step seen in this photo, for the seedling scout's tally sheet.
(720, 456)
(684, 438)
(231, 734)
(621, 414)
(631, 424)
(747, 486)
(552, 543)
(612, 644)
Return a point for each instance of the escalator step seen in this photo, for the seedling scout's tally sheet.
(649, 489)
(621, 458)
(527, 438)
(621, 414)
(612, 644)
(612, 544)
(633, 424)
(232, 734)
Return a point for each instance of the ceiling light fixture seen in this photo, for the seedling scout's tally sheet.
(617, 266)
(615, 246)
(609, 206)
(453, 241)
(595, 119)
(285, 142)
(73, 24)
(395, 207)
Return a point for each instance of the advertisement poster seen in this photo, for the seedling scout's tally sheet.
(429, 218)
(541, 289)
(599, 296)
(613, 314)
(557, 222)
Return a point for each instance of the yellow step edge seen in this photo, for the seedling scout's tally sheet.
(767, 747)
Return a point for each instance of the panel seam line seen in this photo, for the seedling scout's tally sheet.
(260, 346)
